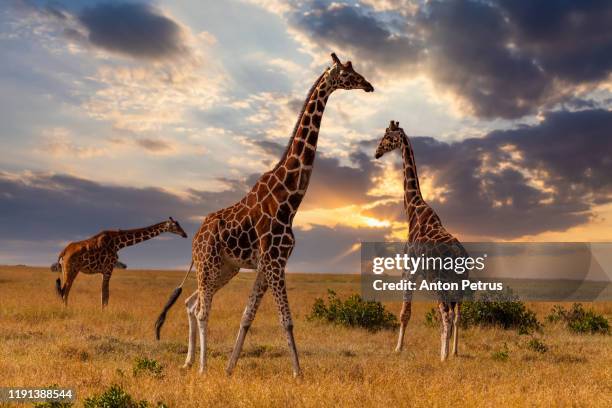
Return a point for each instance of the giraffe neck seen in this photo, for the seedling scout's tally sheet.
(125, 238)
(412, 189)
(297, 161)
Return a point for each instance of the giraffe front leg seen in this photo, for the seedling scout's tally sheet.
(445, 332)
(259, 289)
(276, 280)
(105, 288)
(404, 318)
(192, 305)
(456, 329)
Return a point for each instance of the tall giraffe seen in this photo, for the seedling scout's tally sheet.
(426, 233)
(98, 254)
(256, 232)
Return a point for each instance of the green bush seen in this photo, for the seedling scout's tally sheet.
(147, 366)
(537, 345)
(116, 397)
(501, 310)
(579, 320)
(432, 317)
(501, 355)
(353, 312)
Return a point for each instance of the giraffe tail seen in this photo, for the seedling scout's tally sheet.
(171, 301)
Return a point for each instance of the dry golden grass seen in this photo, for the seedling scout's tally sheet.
(84, 347)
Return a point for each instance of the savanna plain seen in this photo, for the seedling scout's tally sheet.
(88, 349)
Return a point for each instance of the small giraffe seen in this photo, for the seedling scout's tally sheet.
(98, 254)
(256, 232)
(426, 233)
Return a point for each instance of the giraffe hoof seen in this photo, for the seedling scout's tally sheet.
(186, 366)
(398, 350)
(298, 374)
(202, 371)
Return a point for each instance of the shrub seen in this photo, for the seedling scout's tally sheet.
(53, 404)
(117, 397)
(501, 355)
(579, 320)
(353, 312)
(501, 310)
(147, 366)
(537, 345)
(432, 317)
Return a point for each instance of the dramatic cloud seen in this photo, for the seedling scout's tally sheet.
(358, 33)
(500, 59)
(524, 181)
(134, 29)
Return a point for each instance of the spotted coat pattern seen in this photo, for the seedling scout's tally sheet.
(426, 233)
(256, 232)
(98, 254)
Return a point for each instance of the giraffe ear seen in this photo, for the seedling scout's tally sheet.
(335, 58)
(171, 219)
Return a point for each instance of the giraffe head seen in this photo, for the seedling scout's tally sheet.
(175, 228)
(393, 139)
(343, 76)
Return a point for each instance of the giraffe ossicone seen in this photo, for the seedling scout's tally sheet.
(256, 233)
(98, 254)
(424, 227)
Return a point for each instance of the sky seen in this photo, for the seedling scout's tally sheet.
(119, 114)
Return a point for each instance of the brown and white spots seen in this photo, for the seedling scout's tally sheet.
(424, 227)
(256, 232)
(98, 254)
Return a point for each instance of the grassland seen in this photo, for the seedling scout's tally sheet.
(84, 347)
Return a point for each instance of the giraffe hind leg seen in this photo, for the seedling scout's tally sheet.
(206, 291)
(70, 274)
(192, 306)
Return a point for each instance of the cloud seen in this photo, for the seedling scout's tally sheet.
(154, 145)
(498, 59)
(135, 29)
(357, 32)
(59, 142)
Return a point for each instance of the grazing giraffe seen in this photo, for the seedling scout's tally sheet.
(425, 233)
(98, 254)
(256, 232)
